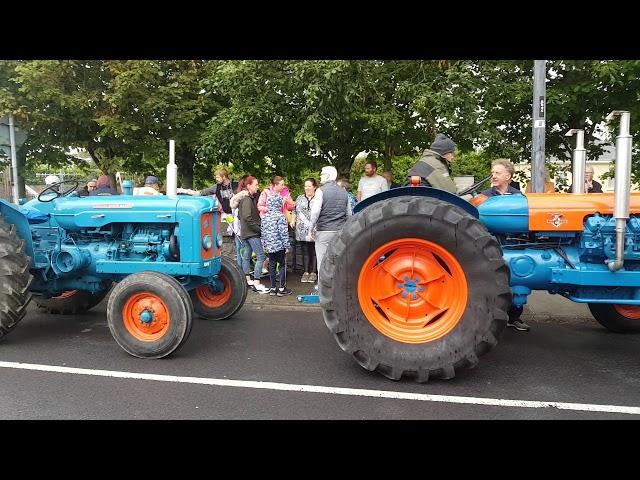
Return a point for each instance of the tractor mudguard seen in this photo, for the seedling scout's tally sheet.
(420, 192)
(14, 216)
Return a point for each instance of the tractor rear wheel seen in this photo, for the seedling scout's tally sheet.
(71, 302)
(617, 318)
(415, 287)
(15, 278)
(149, 314)
(222, 305)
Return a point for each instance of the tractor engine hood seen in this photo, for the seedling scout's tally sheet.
(75, 213)
(505, 214)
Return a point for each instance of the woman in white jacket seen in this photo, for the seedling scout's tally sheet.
(304, 232)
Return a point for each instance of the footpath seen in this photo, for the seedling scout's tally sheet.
(542, 306)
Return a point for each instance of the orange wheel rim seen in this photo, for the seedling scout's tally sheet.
(146, 317)
(628, 311)
(211, 299)
(67, 294)
(412, 290)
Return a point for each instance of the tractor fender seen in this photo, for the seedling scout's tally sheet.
(420, 192)
(14, 216)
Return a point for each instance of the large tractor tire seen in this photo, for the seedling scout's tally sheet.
(15, 278)
(150, 315)
(617, 318)
(71, 302)
(222, 305)
(185, 299)
(415, 287)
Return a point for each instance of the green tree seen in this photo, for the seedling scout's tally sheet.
(158, 101)
(64, 105)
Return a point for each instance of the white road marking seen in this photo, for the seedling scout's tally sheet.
(499, 402)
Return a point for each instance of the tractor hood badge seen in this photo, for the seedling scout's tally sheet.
(556, 220)
(113, 205)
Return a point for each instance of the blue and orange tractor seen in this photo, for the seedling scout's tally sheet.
(162, 253)
(419, 282)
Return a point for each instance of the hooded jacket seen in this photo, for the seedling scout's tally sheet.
(435, 169)
(267, 192)
(275, 233)
(233, 203)
(248, 216)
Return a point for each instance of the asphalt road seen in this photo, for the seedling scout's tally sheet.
(578, 363)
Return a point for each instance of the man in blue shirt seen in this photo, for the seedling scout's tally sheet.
(502, 171)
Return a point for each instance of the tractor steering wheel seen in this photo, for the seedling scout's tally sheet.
(52, 188)
(473, 187)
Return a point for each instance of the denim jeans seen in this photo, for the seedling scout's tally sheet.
(251, 245)
(240, 244)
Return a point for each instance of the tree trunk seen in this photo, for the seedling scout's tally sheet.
(114, 184)
(185, 159)
(343, 165)
(388, 155)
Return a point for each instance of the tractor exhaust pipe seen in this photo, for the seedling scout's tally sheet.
(579, 160)
(172, 171)
(622, 186)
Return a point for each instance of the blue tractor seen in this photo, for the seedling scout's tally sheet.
(419, 282)
(162, 252)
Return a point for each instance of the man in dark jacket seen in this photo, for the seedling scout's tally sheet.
(434, 166)
(88, 188)
(103, 187)
(590, 185)
(250, 232)
(224, 189)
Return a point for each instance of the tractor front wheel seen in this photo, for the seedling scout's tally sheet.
(149, 314)
(222, 305)
(617, 318)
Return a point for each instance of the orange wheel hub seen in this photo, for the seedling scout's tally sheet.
(211, 299)
(146, 317)
(628, 311)
(412, 290)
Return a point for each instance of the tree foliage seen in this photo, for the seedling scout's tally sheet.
(292, 117)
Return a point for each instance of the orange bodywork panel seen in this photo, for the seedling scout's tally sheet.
(566, 211)
(206, 228)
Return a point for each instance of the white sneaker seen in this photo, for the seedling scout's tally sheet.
(249, 281)
(259, 287)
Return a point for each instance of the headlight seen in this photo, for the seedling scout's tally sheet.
(207, 242)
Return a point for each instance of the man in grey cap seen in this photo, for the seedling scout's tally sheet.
(151, 187)
(434, 166)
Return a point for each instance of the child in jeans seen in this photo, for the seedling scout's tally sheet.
(275, 241)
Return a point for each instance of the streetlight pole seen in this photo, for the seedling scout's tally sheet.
(539, 107)
(14, 160)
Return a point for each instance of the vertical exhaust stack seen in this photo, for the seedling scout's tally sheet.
(579, 160)
(622, 186)
(172, 171)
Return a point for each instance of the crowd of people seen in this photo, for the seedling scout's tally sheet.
(266, 225)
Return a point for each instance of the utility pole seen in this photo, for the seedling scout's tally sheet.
(14, 160)
(539, 107)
